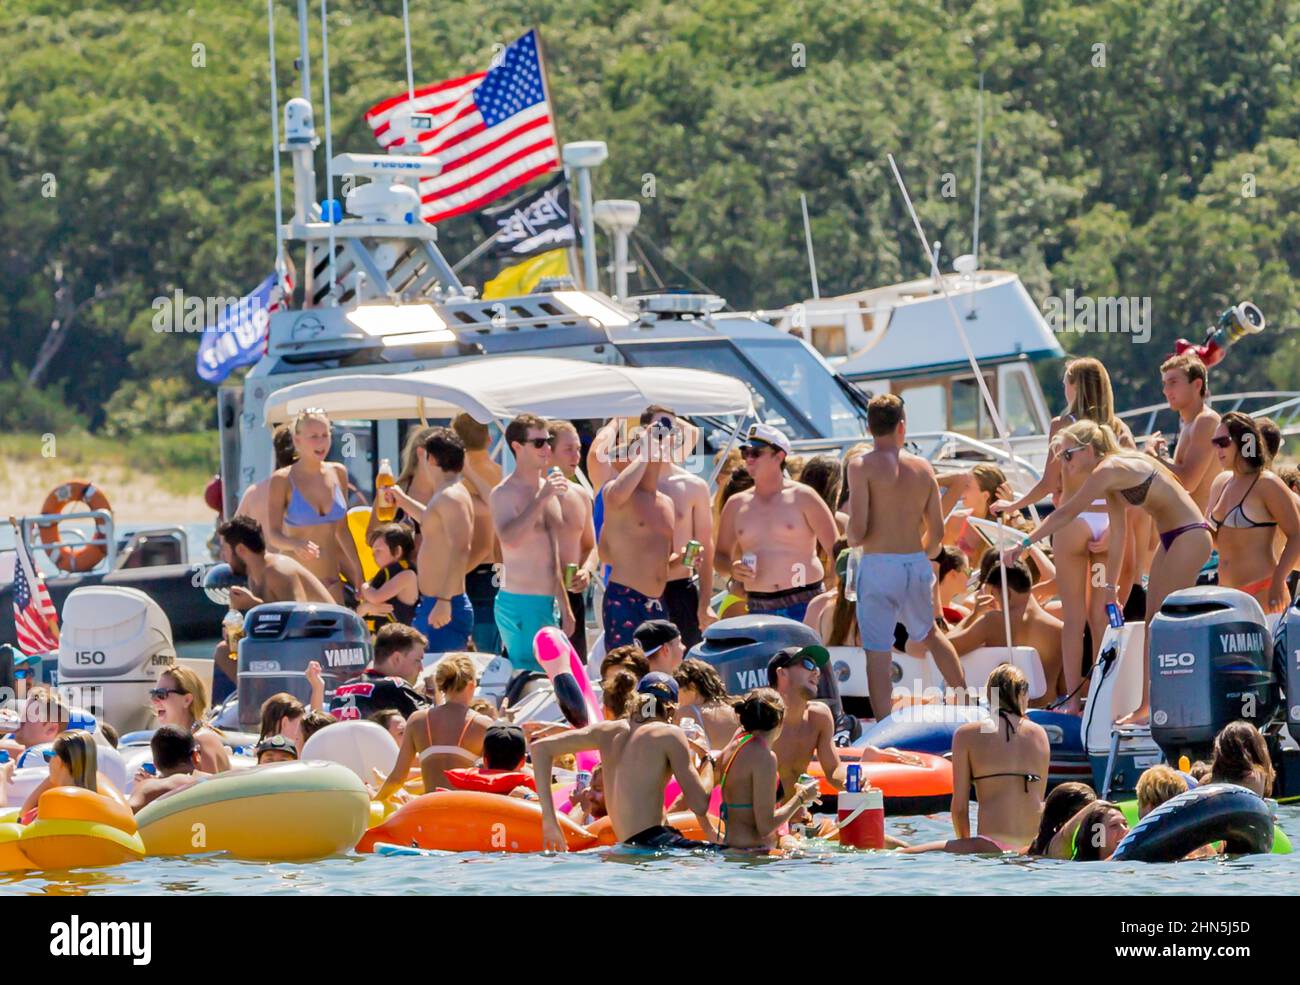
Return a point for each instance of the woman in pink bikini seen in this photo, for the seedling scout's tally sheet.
(308, 508)
(1089, 452)
(1081, 544)
(1248, 505)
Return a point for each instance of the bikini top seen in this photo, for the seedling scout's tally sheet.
(1137, 495)
(1028, 777)
(456, 750)
(1236, 517)
(302, 514)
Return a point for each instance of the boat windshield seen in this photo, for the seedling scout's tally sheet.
(791, 389)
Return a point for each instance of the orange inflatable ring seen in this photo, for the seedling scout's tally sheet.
(924, 789)
(75, 828)
(469, 821)
(82, 557)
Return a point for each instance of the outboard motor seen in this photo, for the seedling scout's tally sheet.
(1211, 664)
(741, 647)
(282, 638)
(1286, 663)
(113, 644)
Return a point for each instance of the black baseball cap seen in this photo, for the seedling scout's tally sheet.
(504, 746)
(654, 633)
(791, 655)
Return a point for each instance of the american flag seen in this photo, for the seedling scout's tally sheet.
(493, 131)
(35, 619)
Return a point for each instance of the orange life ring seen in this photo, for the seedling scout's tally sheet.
(84, 556)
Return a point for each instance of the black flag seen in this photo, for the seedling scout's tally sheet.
(533, 223)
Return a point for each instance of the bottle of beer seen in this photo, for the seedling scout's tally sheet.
(384, 512)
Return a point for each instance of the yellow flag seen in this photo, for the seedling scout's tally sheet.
(517, 280)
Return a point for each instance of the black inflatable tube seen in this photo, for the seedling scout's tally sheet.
(1213, 812)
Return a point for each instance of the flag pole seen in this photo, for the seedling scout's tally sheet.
(572, 249)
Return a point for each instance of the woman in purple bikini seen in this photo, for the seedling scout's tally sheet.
(1089, 452)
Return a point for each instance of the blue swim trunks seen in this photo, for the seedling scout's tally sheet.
(625, 609)
(452, 636)
(519, 617)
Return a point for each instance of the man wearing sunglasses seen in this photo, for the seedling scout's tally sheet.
(896, 518)
(768, 535)
(526, 511)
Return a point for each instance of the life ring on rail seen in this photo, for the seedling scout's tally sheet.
(84, 556)
(1212, 812)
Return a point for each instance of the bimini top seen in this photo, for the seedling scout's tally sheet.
(496, 389)
(920, 338)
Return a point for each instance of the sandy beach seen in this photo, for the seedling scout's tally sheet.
(136, 496)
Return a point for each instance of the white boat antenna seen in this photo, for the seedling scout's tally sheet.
(812, 257)
(410, 71)
(933, 257)
(329, 144)
(304, 57)
(275, 149)
(979, 168)
(979, 164)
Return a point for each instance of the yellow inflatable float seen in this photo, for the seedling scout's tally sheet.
(278, 812)
(73, 829)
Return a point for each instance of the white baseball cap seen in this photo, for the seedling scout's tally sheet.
(769, 436)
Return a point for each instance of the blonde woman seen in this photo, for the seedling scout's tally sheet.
(448, 736)
(181, 699)
(1099, 470)
(309, 508)
(73, 763)
(1080, 547)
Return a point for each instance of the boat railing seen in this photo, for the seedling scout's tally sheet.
(1283, 406)
(28, 527)
(942, 446)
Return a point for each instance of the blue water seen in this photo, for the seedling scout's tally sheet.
(821, 870)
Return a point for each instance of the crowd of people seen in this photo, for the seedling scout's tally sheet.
(871, 550)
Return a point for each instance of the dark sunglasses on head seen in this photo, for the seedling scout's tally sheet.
(160, 693)
(1223, 442)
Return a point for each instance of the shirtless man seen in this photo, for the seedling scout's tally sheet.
(481, 475)
(256, 501)
(445, 614)
(685, 598)
(577, 531)
(892, 494)
(1031, 625)
(1186, 387)
(527, 515)
(176, 760)
(768, 535)
(637, 538)
(638, 756)
(271, 578)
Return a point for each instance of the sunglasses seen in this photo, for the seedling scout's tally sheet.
(1223, 442)
(538, 443)
(1069, 453)
(752, 451)
(48, 754)
(807, 663)
(160, 693)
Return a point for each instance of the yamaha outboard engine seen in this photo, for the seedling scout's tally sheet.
(282, 638)
(1211, 664)
(1286, 663)
(741, 647)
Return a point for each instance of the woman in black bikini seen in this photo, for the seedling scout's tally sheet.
(1126, 479)
(1244, 533)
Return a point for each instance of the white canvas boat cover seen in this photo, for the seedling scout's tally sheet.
(497, 389)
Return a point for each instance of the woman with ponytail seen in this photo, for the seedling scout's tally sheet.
(749, 812)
